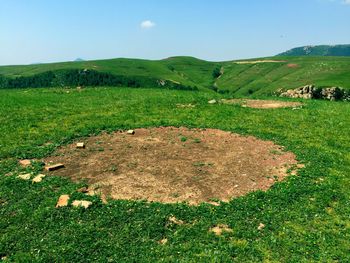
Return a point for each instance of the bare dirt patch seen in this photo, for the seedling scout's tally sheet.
(262, 104)
(292, 65)
(259, 61)
(169, 164)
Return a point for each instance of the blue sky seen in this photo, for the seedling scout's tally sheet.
(34, 31)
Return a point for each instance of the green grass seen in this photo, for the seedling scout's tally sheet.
(261, 79)
(306, 217)
(185, 70)
(267, 78)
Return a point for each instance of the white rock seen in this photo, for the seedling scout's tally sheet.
(24, 176)
(77, 203)
(80, 145)
(38, 178)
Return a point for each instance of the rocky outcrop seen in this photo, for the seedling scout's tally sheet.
(313, 92)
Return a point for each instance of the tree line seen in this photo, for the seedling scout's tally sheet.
(86, 78)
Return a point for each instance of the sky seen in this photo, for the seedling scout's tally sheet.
(40, 31)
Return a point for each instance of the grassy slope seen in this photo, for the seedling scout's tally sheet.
(266, 78)
(186, 70)
(306, 216)
(240, 79)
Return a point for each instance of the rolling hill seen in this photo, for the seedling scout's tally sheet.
(321, 50)
(260, 77)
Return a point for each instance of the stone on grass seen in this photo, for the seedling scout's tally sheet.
(82, 203)
(219, 229)
(212, 101)
(38, 178)
(163, 241)
(214, 203)
(261, 226)
(24, 176)
(25, 163)
(176, 221)
(62, 201)
(54, 167)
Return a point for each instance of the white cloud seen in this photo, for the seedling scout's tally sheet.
(346, 2)
(147, 24)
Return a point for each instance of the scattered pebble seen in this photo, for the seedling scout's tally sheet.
(163, 241)
(261, 226)
(80, 145)
(214, 203)
(38, 178)
(25, 163)
(219, 229)
(185, 105)
(131, 132)
(176, 221)
(24, 176)
(62, 201)
(77, 203)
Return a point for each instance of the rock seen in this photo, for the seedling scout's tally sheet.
(54, 167)
(38, 178)
(24, 176)
(62, 201)
(311, 92)
(83, 190)
(176, 221)
(212, 101)
(163, 241)
(213, 203)
(25, 163)
(261, 226)
(82, 203)
(80, 145)
(219, 229)
(130, 132)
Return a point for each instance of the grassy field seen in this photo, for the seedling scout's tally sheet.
(306, 217)
(257, 79)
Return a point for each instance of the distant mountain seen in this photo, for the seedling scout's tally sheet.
(79, 59)
(323, 50)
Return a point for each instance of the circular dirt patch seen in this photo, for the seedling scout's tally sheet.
(262, 104)
(171, 164)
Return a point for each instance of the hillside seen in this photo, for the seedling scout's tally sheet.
(321, 50)
(185, 70)
(253, 77)
(259, 77)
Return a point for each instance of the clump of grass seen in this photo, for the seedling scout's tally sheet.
(183, 138)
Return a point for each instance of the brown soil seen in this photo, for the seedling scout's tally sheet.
(259, 61)
(262, 104)
(171, 164)
(291, 65)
